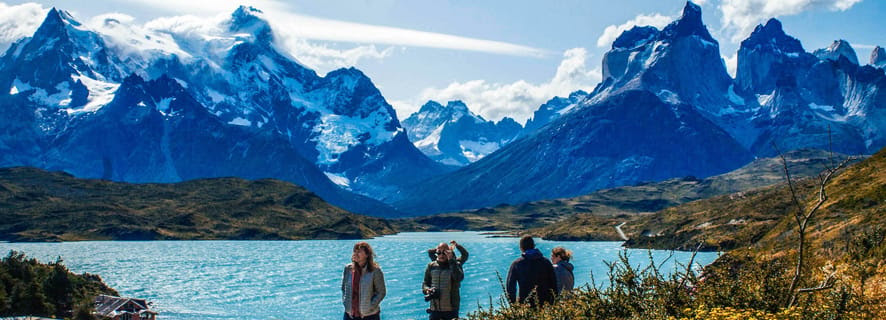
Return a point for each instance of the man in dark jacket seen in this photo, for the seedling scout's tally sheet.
(442, 281)
(531, 272)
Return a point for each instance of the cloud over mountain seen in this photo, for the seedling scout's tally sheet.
(613, 31)
(19, 21)
(519, 99)
(741, 16)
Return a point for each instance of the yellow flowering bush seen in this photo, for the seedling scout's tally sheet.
(735, 287)
(740, 314)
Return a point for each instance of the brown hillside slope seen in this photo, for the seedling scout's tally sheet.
(37, 205)
(763, 217)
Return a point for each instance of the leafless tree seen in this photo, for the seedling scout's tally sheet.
(804, 213)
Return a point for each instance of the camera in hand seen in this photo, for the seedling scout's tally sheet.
(433, 293)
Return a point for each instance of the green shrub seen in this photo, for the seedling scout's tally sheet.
(28, 287)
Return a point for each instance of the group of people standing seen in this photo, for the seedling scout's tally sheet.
(539, 280)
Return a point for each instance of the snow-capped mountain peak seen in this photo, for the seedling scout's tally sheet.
(60, 32)
(433, 115)
(837, 49)
(249, 22)
(457, 105)
(430, 107)
(458, 109)
(227, 78)
(56, 23)
(63, 66)
(454, 135)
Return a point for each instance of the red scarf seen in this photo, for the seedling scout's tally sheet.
(355, 291)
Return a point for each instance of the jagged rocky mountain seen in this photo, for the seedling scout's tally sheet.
(837, 49)
(183, 106)
(632, 136)
(679, 63)
(455, 136)
(819, 100)
(551, 110)
(781, 96)
(878, 57)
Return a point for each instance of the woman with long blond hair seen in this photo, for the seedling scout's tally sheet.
(362, 285)
(563, 269)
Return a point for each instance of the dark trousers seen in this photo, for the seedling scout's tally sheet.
(444, 315)
(376, 316)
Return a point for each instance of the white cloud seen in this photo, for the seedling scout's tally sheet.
(192, 32)
(122, 31)
(404, 108)
(731, 64)
(179, 7)
(322, 58)
(612, 32)
(307, 27)
(741, 16)
(19, 21)
(861, 47)
(315, 28)
(519, 99)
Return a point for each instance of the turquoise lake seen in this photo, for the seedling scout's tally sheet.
(302, 279)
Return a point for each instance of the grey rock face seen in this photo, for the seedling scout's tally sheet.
(837, 49)
(878, 57)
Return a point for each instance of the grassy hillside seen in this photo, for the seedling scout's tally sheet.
(843, 277)
(763, 217)
(37, 205)
(594, 216)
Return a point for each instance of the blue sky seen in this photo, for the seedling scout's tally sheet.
(503, 58)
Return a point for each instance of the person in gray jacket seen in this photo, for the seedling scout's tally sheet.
(362, 285)
(563, 269)
(442, 281)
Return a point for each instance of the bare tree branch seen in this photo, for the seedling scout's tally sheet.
(802, 217)
(787, 173)
(825, 284)
(689, 265)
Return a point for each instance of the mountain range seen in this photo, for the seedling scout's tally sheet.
(454, 135)
(667, 108)
(130, 104)
(173, 107)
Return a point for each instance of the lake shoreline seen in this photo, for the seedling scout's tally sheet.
(232, 279)
(509, 234)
